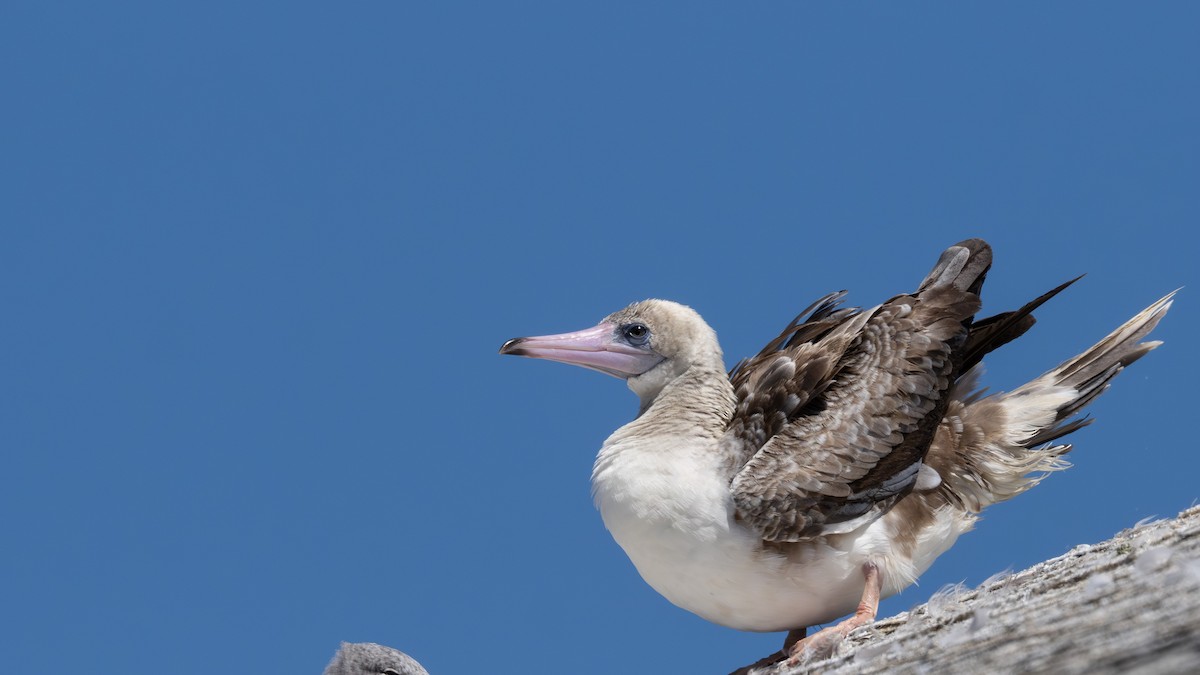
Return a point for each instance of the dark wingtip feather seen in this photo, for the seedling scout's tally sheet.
(994, 332)
(815, 320)
(820, 309)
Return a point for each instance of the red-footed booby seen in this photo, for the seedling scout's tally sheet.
(830, 470)
(368, 658)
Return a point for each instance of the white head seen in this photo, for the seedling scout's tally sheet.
(648, 344)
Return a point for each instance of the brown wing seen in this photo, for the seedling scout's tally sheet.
(785, 380)
(836, 421)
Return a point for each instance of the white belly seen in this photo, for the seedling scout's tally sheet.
(672, 513)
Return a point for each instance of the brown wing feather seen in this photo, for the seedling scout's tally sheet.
(835, 426)
(786, 378)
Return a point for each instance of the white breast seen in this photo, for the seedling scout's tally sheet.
(670, 510)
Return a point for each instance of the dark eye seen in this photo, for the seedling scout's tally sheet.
(636, 333)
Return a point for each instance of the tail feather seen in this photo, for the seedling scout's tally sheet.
(992, 448)
(1119, 347)
(1089, 374)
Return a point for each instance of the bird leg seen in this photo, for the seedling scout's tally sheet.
(821, 644)
(793, 637)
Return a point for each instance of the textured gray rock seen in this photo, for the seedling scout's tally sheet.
(1127, 605)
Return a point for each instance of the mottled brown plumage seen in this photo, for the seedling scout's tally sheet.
(837, 418)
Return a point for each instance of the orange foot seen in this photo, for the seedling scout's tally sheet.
(822, 644)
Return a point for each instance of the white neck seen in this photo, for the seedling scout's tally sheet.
(700, 399)
(657, 461)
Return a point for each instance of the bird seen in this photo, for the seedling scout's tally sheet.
(368, 658)
(830, 470)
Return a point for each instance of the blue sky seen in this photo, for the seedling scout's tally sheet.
(257, 260)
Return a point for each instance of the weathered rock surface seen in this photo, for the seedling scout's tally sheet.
(1127, 605)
